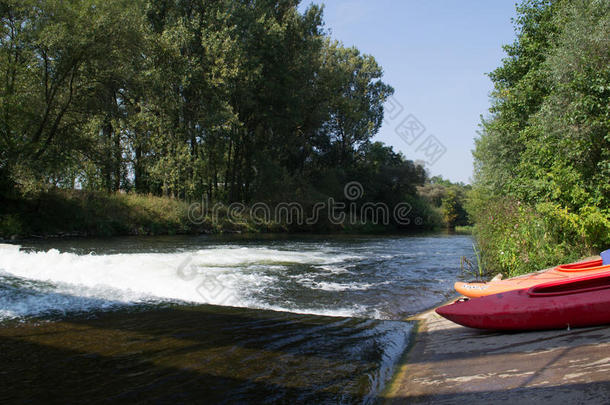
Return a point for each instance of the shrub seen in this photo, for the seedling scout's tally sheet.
(516, 238)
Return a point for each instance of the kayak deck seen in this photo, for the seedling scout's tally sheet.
(576, 302)
(562, 272)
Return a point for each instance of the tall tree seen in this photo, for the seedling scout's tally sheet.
(356, 97)
(48, 53)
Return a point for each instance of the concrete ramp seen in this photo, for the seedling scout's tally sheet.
(451, 364)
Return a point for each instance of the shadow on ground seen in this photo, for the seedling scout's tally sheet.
(451, 364)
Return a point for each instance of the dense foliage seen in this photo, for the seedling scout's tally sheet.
(542, 160)
(449, 200)
(237, 101)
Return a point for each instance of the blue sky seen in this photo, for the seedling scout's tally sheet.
(435, 54)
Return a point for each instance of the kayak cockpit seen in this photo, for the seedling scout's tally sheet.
(572, 286)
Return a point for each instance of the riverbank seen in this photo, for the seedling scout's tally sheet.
(60, 213)
(448, 364)
(78, 213)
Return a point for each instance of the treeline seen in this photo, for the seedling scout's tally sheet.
(449, 200)
(228, 100)
(542, 161)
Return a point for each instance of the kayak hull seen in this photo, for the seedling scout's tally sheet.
(562, 272)
(580, 302)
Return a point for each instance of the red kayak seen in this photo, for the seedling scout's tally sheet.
(576, 302)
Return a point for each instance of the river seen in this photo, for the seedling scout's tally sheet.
(215, 319)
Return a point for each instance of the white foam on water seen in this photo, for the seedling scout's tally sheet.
(6, 247)
(218, 275)
(333, 269)
(28, 299)
(332, 286)
(354, 311)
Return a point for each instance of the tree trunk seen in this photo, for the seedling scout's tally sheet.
(107, 157)
(117, 161)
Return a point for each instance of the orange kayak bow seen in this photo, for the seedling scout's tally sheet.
(561, 272)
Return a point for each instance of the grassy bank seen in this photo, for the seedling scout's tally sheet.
(85, 213)
(464, 230)
(542, 158)
(516, 238)
(79, 213)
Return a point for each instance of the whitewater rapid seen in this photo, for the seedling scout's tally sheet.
(39, 282)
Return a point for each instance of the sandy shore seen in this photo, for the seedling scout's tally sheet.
(449, 364)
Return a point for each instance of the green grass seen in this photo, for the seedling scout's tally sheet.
(473, 268)
(75, 212)
(85, 213)
(464, 230)
(515, 238)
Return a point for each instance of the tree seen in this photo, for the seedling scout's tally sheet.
(356, 97)
(236, 101)
(545, 146)
(56, 57)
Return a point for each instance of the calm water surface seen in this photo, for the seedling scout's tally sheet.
(261, 319)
